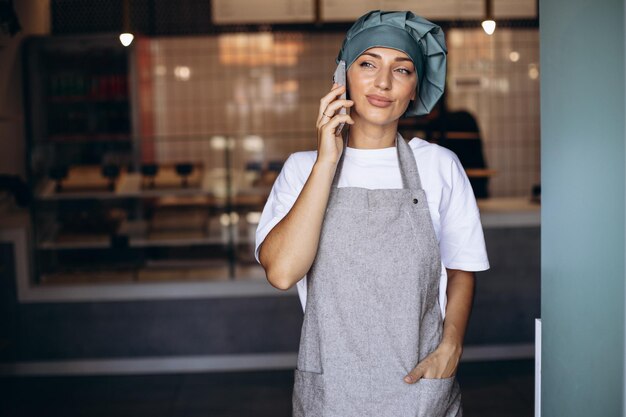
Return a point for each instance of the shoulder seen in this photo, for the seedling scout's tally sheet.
(436, 160)
(300, 162)
(423, 149)
(302, 158)
(297, 168)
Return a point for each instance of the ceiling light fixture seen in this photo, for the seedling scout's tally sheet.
(489, 25)
(126, 37)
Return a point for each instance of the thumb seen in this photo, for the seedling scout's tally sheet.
(415, 374)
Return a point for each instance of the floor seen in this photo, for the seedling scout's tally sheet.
(489, 389)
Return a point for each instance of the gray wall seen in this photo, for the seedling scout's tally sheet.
(582, 133)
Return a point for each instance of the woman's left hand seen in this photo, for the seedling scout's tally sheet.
(441, 363)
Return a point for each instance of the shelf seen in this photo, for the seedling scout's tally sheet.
(139, 236)
(182, 274)
(508, 205)
(155, 274)
(480, 172)
(89, 138)
(92, 277)
(100, 242)
(509, 212)
(87, 99)
(129, 185)
(51, 238)
(140, 243)
(182, 242)
(47, 191)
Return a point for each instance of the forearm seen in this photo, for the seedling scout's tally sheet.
(288, 251)
(460, 293)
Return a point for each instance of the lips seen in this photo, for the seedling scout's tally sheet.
(378, 101)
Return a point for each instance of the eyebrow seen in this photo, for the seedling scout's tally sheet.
(399, 58)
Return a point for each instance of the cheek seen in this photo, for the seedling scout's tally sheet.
(355, 84)
(358, 79)
(355, 92)
(409, 91)
(414, 87)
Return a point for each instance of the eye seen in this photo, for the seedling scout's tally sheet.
(404, 71)
(366, 64)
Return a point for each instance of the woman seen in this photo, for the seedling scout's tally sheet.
(386, 250)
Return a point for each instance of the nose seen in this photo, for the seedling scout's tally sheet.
(383, 79)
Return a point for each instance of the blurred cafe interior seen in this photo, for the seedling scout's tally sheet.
(134, 169)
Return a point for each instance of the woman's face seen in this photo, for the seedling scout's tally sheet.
(381, 82)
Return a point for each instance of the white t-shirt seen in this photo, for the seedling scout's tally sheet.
(451, 201)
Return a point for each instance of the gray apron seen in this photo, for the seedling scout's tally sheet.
(372, 310)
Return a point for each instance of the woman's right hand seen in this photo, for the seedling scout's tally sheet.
(329, 145)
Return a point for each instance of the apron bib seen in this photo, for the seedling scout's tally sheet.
(372, 310)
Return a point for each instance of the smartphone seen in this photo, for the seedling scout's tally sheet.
(339, 77)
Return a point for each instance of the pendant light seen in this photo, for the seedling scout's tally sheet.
(126, 37)
(489, 25)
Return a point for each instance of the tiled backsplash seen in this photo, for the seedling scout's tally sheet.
(203, 89)
(505, 101)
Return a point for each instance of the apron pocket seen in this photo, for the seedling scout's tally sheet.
(308, 393)
(438, 397)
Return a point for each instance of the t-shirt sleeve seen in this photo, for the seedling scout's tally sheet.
(282, 197)
(462, 241)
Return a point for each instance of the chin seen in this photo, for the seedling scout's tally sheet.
(379, 118)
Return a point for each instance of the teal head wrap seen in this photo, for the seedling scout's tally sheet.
(422, 40)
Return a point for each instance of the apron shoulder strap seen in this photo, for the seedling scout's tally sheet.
(406, 160)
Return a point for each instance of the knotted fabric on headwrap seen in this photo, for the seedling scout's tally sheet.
(422, 40)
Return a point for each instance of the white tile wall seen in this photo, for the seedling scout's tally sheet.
(507, 106)
(269, 84)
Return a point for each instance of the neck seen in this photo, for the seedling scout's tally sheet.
(369, 136)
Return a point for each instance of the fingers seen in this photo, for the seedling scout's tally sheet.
(415, 374)
(425, 371)
(332, 109)
(328, 142)
(335, 92)
(332, 124)
(336, 105)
